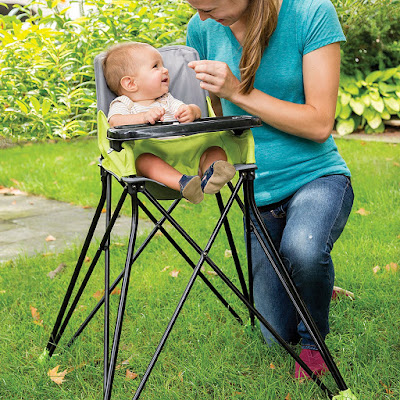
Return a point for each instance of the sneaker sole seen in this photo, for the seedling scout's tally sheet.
(223, 173)
(193, 192)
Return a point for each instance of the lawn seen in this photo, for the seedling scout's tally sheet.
(208, 355)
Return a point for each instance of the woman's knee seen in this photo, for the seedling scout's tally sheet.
(305, 255)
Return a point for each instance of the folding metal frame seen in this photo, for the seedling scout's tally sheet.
(135, 188)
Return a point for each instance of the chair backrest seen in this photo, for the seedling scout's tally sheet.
(183, 83)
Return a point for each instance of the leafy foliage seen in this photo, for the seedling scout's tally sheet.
(46, 74)
(366, 101)
(46, 62)
(372, 29)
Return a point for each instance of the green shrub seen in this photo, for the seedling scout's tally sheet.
(365, 102)
(372, 29)
(46, 63)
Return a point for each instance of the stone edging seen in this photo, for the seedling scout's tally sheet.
(386, 137)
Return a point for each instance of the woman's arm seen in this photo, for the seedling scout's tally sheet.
(312, 120)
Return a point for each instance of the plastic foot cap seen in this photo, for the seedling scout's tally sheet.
(345, 395)
(44, 357)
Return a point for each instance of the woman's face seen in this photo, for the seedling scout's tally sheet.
(226, 12)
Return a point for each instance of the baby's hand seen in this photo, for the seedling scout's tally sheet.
(186, 113)
(154, 115)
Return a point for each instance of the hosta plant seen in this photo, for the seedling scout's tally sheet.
(365, 102)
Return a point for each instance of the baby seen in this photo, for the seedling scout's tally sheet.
(135, 72)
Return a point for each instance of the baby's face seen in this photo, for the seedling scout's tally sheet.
(152, 77)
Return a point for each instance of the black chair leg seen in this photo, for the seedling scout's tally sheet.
(52, 343)
(289, 286)
(235, 257)
(107, 283)
(247, 228)
(59, 330)
(122, 302)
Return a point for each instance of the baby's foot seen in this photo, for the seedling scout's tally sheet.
(191, 188)
(217, 175)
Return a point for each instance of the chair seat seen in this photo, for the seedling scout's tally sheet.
(162, 192)
(183, 153)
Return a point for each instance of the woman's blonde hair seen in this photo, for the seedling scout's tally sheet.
(120, 61)
(262, 21)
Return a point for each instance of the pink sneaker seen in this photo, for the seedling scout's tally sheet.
(314, 361)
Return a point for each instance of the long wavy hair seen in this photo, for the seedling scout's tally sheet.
(262, 21)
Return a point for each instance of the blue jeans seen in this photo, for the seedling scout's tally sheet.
(303, 228)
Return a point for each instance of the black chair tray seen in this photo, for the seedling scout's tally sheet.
(237, 124)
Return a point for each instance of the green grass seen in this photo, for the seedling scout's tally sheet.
(65, 171)
(208, 355)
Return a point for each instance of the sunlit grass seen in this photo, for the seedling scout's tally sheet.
(208, 355)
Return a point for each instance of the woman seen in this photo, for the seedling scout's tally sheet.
(280, 60)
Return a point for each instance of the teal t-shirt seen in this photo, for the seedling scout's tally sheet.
(285, 162)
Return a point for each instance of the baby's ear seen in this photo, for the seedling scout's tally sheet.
(128, 83)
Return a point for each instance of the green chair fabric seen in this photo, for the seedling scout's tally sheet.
(183, 153)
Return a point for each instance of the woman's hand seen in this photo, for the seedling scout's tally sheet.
(216, 77)
(313, 120)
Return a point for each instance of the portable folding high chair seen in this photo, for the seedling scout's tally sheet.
(119, 147)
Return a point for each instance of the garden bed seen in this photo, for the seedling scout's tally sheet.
(391, 135)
